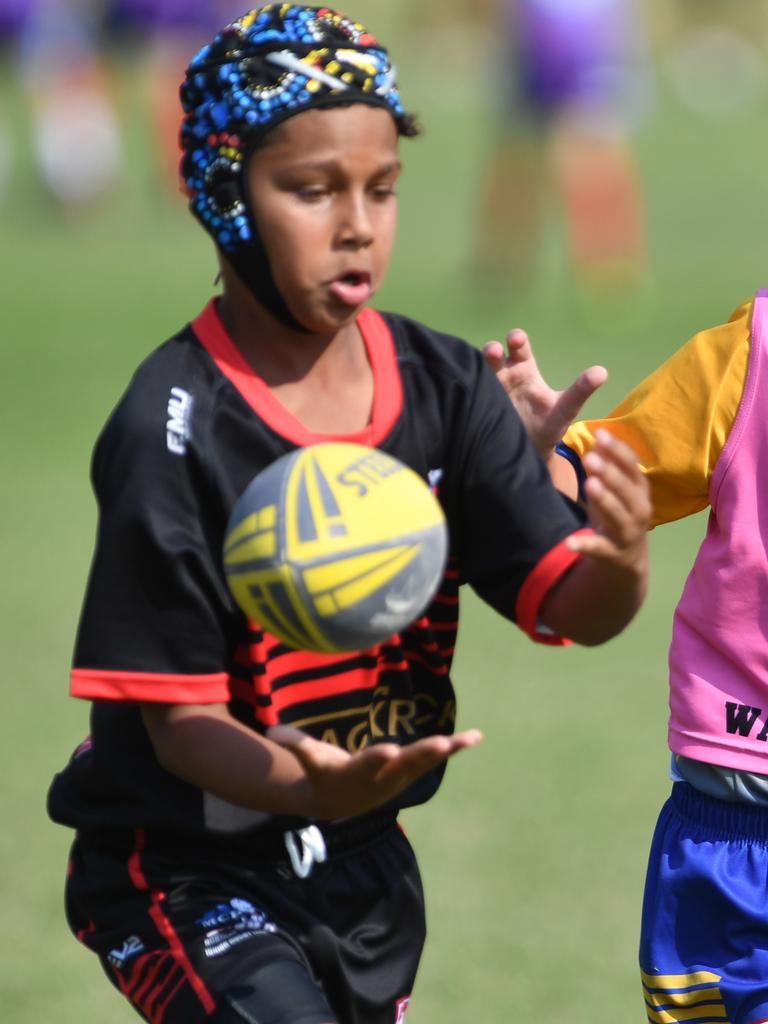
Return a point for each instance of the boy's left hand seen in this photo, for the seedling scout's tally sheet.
(546, 413)
(618, 504)
(342, 784)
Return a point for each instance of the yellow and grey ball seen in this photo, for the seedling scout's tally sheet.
(335, 547)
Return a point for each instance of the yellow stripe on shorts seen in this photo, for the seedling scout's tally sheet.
(689, 998)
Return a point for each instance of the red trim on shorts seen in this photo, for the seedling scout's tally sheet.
(538, 584)
(154, 1004)
(387, 386)
(103, 684)
(136, 987)
(165, 928)
(89, 930)
(162, 1007)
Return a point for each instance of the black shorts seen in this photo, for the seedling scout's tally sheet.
(224, 930)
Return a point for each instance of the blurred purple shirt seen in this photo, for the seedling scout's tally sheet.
(571, 50)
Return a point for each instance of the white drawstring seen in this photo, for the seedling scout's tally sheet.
(306, 847)
(285, 59)
(289, 61)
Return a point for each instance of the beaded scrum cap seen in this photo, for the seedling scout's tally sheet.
(270, 64)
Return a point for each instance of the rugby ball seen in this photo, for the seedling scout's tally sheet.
(335, 547)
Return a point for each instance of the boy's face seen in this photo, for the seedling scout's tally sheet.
(322, 191)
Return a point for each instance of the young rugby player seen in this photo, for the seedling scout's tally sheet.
(237, 854)
(698, 423)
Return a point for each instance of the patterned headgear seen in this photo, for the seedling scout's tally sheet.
(272, 63)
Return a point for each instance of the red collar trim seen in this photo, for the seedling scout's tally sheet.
(387, 386)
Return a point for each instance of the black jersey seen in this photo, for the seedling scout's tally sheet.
(159, 624)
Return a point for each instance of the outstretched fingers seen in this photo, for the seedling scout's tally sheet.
(570, 402)
(420, 757)
(513, 360)
(342, 784)
(546, 413)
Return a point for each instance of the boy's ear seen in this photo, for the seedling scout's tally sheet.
(225, 193)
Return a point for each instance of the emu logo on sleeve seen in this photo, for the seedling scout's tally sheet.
(177, 429)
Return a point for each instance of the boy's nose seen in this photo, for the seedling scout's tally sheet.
(356, 227)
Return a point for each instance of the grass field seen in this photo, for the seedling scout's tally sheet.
(533, 852)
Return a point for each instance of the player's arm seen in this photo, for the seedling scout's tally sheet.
(287, 772)
(600, 595)
(527, 551)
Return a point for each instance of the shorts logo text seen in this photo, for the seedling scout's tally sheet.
(131, 947)
(229, 924)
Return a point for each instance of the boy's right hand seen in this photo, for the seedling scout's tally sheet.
(341, 785)
(546, 413)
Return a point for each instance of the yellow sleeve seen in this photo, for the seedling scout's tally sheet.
(679, 418)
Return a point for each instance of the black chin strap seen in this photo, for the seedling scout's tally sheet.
(251, 265)
(250, 260)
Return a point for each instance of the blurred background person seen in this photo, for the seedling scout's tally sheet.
(75, 131)
(575, 78)
(13, 14)
(163, 35)
(83, 64)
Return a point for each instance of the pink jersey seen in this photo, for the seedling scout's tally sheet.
(719, 654)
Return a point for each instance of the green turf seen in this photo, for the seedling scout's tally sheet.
(533, 852)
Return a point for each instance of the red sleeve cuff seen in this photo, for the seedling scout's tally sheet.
(538, 584)
(100, 684)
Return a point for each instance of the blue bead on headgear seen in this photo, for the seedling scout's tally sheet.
(272, 63)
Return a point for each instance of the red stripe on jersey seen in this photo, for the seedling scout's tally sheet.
(164, 926)
(322, 689)
(392, 658)
(538, 584)
(436, 670)
(103, 684)
(387, 392)
(290, 661)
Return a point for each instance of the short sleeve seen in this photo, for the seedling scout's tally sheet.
(679, 418)
(157, 622)
(512, 523)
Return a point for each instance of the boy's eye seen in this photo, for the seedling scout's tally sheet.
(311, 193)
(383, 191)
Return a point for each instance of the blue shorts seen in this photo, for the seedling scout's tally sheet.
(704, 939)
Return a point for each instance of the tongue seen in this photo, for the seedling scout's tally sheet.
(352, 293)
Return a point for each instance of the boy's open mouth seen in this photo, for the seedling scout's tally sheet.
(352, 288)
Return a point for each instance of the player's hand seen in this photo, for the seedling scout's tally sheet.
(340, 784)
(618, 505)
(546, 413)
